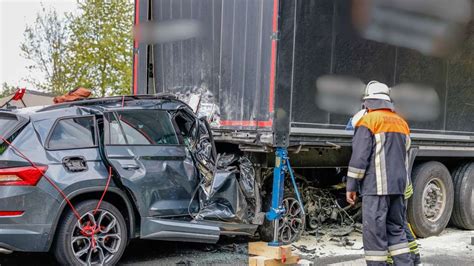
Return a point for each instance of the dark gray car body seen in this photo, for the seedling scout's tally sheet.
(152, 184)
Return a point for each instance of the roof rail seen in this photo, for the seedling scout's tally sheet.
(112, 99)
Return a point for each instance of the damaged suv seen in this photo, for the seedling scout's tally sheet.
(83, 178)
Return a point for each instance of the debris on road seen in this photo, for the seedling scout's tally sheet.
(304, 252)
(324, 213)
(305, 263)
(343, 241)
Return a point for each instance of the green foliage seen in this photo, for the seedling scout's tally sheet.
(100, 49)
(45, 45)
(91, 48)
(7, 90)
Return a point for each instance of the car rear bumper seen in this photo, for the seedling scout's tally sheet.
(17, 237)
(31, 230)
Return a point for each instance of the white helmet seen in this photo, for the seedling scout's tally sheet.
(377, 90)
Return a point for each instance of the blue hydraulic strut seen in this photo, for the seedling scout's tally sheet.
(282, 167)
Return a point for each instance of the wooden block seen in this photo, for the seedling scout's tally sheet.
(263, 249)
(292, 260)
(264, 261)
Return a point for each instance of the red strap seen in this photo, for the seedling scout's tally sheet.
(283, 254)
(19, 94)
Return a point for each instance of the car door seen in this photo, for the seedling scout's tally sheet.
(143, 147)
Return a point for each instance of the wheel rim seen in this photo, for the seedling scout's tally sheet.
(96, 238)
(291, 224)
(434, 200)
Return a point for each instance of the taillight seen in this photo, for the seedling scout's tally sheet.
(21, 176)
(11, 213)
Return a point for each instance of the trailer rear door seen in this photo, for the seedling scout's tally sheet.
(229, 61)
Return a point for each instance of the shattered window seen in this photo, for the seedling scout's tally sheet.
(142, 127)
(70, 133)
(7, 122)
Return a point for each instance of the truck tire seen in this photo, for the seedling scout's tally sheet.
(291, 220)
(73, 247)
(430, 207)
(463, 211)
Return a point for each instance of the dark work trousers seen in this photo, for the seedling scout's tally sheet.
(384, 230)
(415, 252)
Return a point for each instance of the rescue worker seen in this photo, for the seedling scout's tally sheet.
(378, 165)
(412, 244)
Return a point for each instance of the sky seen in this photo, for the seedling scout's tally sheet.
(14, 16)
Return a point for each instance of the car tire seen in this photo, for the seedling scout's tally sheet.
(463, 211)
(266, 229)
(111, 240)
(430, 207)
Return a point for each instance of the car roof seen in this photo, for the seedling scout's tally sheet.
(89, 106)
(158, 101)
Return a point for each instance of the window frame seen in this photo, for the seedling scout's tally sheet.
(50, 133)
(182, 113)
(116, 113)
(21, 122)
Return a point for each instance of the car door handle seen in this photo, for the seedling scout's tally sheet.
(130, 167)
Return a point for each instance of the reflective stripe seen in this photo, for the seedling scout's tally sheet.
(376, 258)
(355, 175)
(356, 170)
(380, 169)
(377, 164)
(415, 251)
(399, 251)
(376, 253)
(413, 247)
(407, 142)
(408, 191)
(383, 166)
(409, 227)
(398, 246)
(412, 244)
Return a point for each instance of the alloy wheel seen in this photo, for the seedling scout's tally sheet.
(291, 224)
(96, 238)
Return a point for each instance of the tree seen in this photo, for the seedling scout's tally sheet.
(7, 90)
(45, 45)
(100, 47)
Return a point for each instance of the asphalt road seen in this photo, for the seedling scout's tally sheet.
(231, 251)
(451, 248)
(355, 260)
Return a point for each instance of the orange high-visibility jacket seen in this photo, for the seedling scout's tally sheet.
(379, 160)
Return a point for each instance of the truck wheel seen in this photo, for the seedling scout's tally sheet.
(78, 243)
(291, 224)
(430, 207)
(463, 211)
